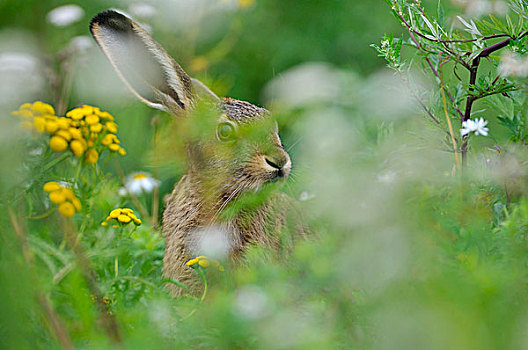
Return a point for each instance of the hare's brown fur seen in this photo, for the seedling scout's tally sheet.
(218, 173)
(181, 218)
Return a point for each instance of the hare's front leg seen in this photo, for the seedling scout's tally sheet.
(175, 268)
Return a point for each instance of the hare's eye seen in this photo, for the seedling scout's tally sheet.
(225, 131)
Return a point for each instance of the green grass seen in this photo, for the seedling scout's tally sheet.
(404, 252)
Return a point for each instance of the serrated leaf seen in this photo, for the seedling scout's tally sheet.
(440, 14)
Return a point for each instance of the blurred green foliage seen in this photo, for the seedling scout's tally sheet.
(404, 254)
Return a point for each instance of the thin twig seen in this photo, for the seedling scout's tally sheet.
(449, 125)
(435, 72)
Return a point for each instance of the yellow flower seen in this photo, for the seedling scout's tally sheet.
(64, 197)
(68, 193)
(108, 139)
(64, 123)
(202, 261)
(123, 216)
(91, 156)
(57, 197)
(52, 126)
(58, 144)
(125, 219)
(65, 134)
(35, 115)
(191, 262)
(245, 3)
(77, 148)
(199, 64)
(43, 108)
(51, 186)
(106, 115)
(76, 114)
(91, 119)
(81, 128)
(112, 127)
(76, 204)
(39, 123)
(75, 133)
(115, 213)
(96, 127)
(67, 209)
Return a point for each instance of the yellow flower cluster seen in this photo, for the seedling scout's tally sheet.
(203, 262)
(35, 115)
(64, 197)
(123, 216)
(81, 130)
(96, 126)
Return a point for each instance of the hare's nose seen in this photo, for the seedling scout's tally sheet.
(281, 164)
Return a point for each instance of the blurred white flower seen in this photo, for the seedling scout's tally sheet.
(305, 196)
(81, 43)
(142, 10)
(251, 302)
(383, 97)
(305, 84)
(138, 183)
(513, 65)
(21, 77)
(211, 241)
(17, 61)
(387, 177)
(63, 16)
(476, 8)
(478, 126)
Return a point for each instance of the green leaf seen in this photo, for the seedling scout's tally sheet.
(440, 14)
(176, 282)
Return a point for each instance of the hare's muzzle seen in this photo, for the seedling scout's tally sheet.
(280, 166)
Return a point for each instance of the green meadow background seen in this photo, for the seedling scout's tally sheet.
(404, 254)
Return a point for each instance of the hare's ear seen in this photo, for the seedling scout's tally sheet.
(203, 93)
(145, 67)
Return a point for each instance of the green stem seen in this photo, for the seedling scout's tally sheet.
(202, 274)
(42, 216)
(55, 162)
(78, 171)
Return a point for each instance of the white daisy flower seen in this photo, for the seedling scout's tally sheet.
(139, 183)
(478, 126)
(63, 16)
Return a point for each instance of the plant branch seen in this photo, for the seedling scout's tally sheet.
(437, 75)
(473, 78)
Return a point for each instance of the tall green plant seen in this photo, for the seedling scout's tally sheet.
(470, 53)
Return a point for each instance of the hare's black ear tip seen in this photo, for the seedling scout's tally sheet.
(110, 18)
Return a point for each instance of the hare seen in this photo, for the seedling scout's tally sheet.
(221, 169)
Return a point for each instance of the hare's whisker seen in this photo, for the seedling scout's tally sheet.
(224, 204)
(293, 144)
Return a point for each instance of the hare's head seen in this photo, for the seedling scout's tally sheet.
(240, 149)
